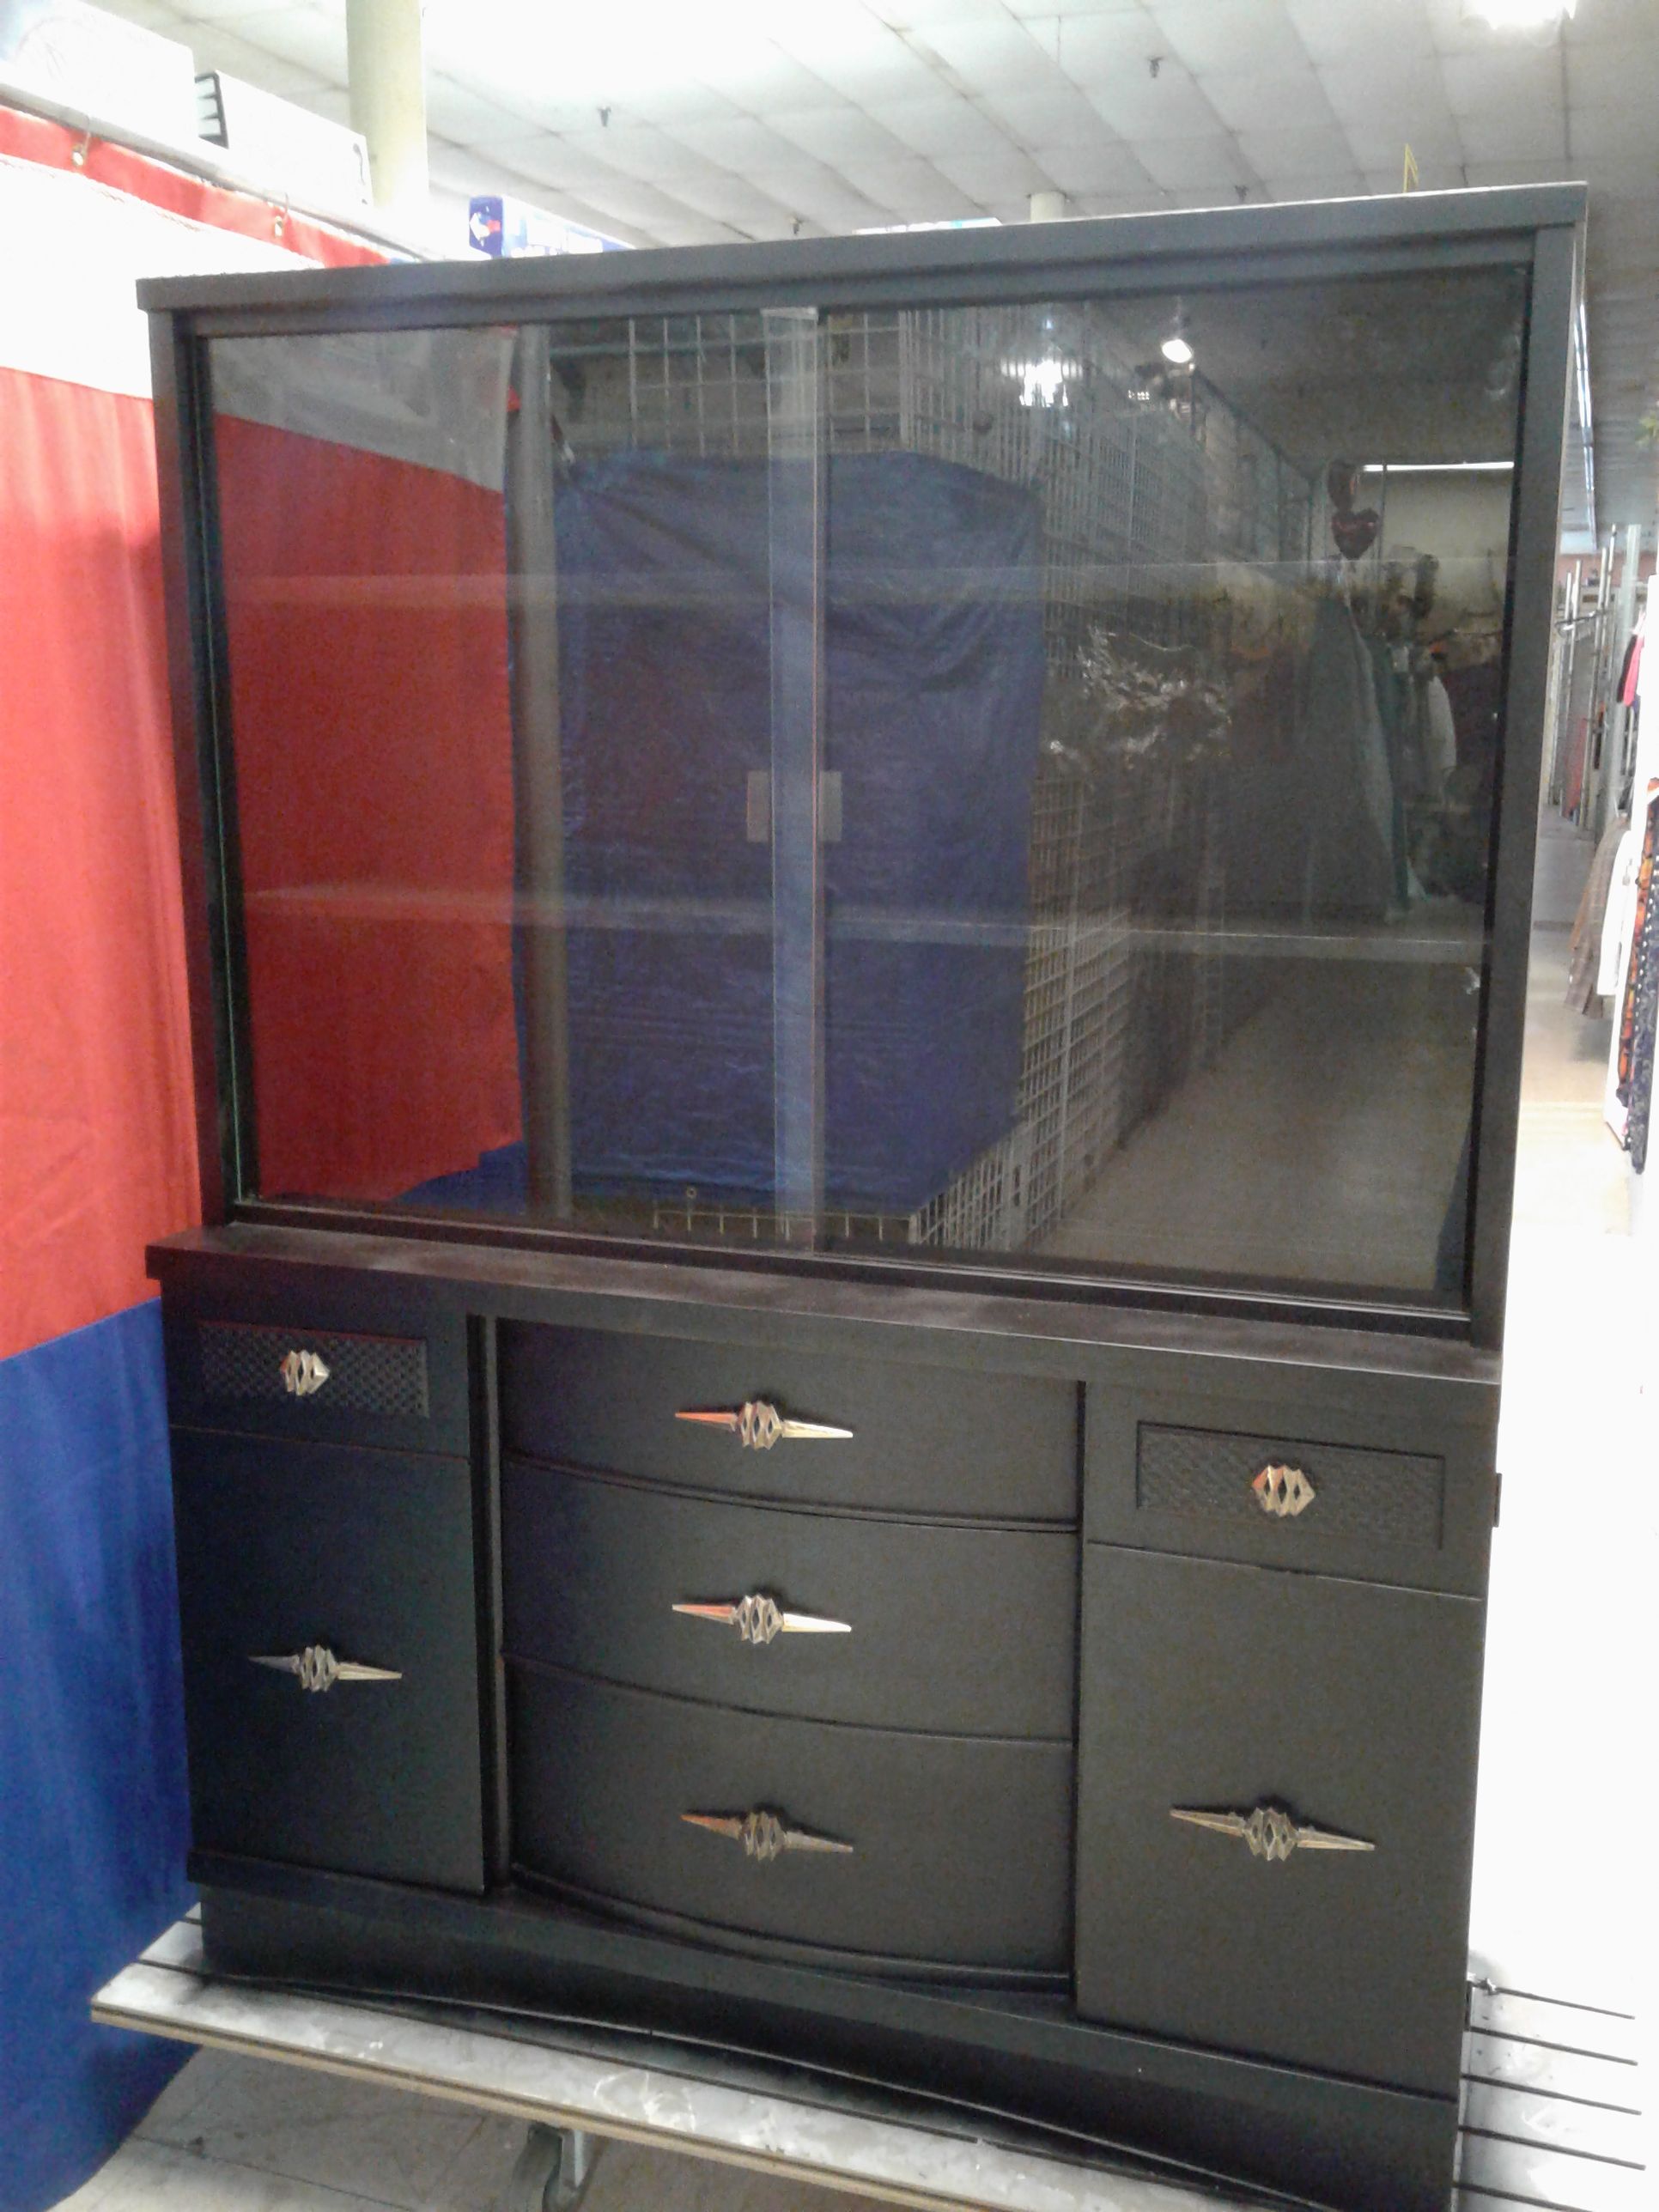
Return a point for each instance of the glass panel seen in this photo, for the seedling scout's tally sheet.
(503, 610)
(1163, 705)
(961, 779)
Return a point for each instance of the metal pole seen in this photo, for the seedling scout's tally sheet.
(386, 63)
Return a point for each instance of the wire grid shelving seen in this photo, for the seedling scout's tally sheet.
(1144, 485)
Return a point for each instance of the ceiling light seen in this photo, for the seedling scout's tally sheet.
(1520, 15)
(1175, 349)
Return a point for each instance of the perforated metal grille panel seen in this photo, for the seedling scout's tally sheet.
(1390, 1498)
(382, 1375)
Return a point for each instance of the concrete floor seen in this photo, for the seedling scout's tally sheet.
(1565, 1828)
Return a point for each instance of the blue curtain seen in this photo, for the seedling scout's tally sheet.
(94, 1817)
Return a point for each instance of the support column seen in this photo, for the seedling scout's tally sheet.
(1048, 206)
(386, 64)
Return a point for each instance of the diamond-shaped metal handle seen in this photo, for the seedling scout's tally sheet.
(304, 1373)
(1272, 1831)
(1284, 1492)
(764, 1834)
(317, 1668)
(757, 1426)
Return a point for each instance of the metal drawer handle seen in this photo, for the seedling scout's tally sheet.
(1283, 1491)
(757, 1619)
(758, 1425)
(304, 1373)
(1271, 1831)
(318, 1669)
(763, 1835)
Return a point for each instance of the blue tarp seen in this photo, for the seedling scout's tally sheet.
(934, 664)
(93, 1814)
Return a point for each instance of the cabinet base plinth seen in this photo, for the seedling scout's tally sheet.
(1025, 2066)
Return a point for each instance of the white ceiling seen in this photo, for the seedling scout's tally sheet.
(759, 119)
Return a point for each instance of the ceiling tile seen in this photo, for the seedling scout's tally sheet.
(1619, 133)
(1517, 78)
(1296, 99)
(915, 191)
(840, 136)
(686, 99)
(984, 176)
(1058, 116)
(809, 189)
(1456, 31)
(1378, 143)
(333, 104)
(730, 199)
(1246, 37)
(866, 64)
(990, 52)
(1296, 153)
(948, 124)
(548, 160)
(1403, 84)
(742, 143)
(1517, 173)
(1110, 43)
(1515, 134)
(1138, 106)
(1102, 167)
(1614, 75)
(457, 112)
(1189, 164)
(1345, 30)
(639, 150)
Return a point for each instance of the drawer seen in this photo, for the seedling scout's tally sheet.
(958, 1849)
(1217, 1689)
(928, 1440)
(1406, 1499)
(956, 1629)
(327, 1374)
(286, 1549)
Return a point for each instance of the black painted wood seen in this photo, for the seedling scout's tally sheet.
(1403, 1489)
(1246, 2125)
(399, 1367)
(931, 1440)
(960, 1846)
(963, 1630)
(1219, 1687)
(282, 1546)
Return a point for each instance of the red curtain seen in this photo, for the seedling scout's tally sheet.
(97, 1145)
(368, 625)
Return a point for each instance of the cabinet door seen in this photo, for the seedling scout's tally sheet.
(320, 1555)
(1216, 1689)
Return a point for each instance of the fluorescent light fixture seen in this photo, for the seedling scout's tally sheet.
(1175, 349)
(1437, 468)
(1522, 14)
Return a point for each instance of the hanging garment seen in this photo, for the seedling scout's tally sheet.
(1620, 914)
(1345, 787)
(1642, 930)
(1440, 732)
(1631, 674)
(1584, 955)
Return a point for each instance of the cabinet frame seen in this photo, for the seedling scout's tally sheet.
(1537, 227)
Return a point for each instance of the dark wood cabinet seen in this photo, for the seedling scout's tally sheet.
(857, 1095)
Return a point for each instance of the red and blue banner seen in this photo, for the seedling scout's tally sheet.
(97, 1150)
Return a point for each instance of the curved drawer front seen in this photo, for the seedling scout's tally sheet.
(357, 1749)
(958, 1849)
(928, 1440)
(889, 1624)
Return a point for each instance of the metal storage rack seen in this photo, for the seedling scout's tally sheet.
(1144, 481)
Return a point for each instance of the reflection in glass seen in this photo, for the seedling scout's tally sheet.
(945, 779)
